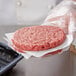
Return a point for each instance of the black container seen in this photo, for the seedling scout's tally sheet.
(8, 58)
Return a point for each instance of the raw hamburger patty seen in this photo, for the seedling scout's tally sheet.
(38, 38)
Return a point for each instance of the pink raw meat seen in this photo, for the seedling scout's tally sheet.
(38, 38)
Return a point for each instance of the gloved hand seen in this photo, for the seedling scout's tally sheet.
(73, 49)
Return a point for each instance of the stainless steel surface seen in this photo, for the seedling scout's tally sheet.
(58, 65)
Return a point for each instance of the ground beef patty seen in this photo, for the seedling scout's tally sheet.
(38, 38)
